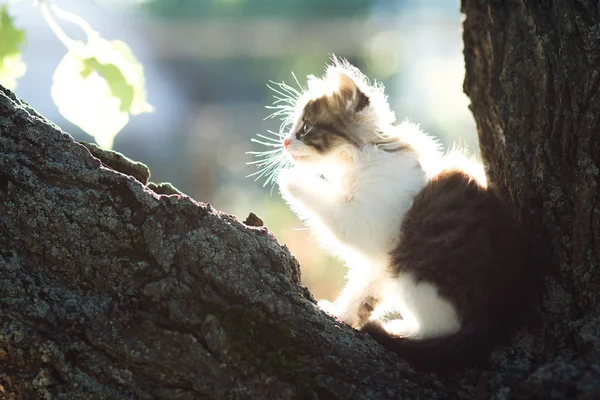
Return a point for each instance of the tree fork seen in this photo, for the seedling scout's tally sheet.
(112, 287)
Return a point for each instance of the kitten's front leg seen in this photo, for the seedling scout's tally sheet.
(307, 194)
(316, 200)
(331, 212)
(356, 302)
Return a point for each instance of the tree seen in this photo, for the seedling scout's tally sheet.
(115, 288)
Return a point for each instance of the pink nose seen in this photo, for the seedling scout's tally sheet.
(287, 142)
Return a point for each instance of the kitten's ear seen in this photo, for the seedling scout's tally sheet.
(313, 83)
(350, 96)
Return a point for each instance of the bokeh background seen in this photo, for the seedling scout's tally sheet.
(207, 63)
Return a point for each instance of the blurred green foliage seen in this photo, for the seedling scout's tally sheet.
(209, 9)
(117, 83)
(12, 40)
(216, 57)
(320, 272)
(97, 85)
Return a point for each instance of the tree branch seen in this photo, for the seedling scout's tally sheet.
(112, 287)
(113, 291)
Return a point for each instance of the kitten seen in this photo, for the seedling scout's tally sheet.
(422, 234)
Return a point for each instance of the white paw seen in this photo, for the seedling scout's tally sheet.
(399, 328)
(328, 307)
(343, 315)
(288, 180)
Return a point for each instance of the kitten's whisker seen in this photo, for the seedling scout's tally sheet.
(285, 99)
(280, 133)
(277, 145)
(269, 163)
(269, 144)
(280, 149)
(265, 155)
(276, 139)
(288, 88)
(298, 83)
(278, 92)
(270, 171)
(285, 113)
(281, 107)
(276, 134)
(278, 102)
(267, 167)
(291, 89)
(265, 158)
(258, 174)
(277, 114)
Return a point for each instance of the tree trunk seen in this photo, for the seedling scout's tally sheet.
(533, 76)
(114, 288)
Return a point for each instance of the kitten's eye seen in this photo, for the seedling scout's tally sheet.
(307, 127)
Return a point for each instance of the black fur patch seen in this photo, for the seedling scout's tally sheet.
(463, 238)
(362, 102)
(324, 137)
(329, 123)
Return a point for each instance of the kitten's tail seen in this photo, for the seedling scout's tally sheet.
(467, 347)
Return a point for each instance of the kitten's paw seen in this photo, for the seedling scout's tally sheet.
(327, 306)
(399, 328)
(287, 180)
(335, 311)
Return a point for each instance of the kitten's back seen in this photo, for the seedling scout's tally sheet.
(462, 237)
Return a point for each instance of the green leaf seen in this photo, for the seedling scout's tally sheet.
(11, 69)
(11, 38)
(11, 65)
(118, 85)
(98, 86)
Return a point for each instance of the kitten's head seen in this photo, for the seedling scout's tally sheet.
(336, 116)
(325, 124)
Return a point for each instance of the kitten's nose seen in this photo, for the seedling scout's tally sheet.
(287, 142)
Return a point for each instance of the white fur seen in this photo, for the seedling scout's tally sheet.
(354, 199)
(424, 313)
(356, 214)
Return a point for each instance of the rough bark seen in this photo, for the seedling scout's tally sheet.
(533, 77)
(111, 287)
(111, 290)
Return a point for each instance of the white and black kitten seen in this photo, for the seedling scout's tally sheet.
(422, 234)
